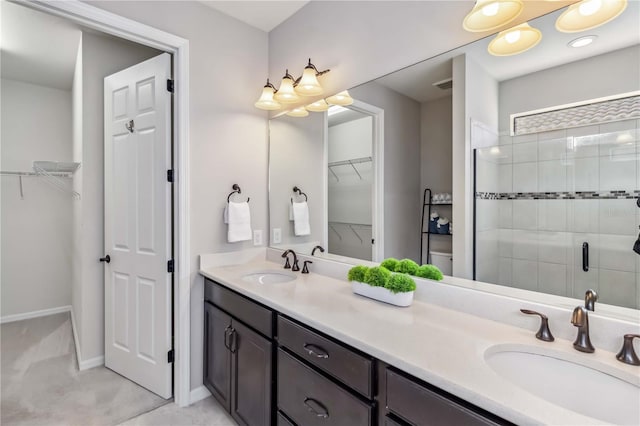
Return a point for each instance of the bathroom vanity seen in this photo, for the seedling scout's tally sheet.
(319, 380)
(301, 349)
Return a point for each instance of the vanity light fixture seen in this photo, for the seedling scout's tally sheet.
(266, 100)
(488, 15)
(291, 89)
(515, 40)
(318, 106)
(588, 14)
(298, 112)
(286, 93)
(582, 41)
(343, 99)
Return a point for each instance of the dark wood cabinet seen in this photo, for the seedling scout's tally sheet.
(237, 358)
(217, 357)
(421, 404)
(251, 376)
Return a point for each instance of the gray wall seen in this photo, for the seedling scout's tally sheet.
(228, 135)
(369, 39)
(36, 231)
(101, 56)
(436, 158)
(603, 75)
(401, 168)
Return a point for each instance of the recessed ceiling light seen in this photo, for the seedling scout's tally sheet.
(582, 41)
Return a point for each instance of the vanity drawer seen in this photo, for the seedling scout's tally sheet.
(310, 399)
(246, 310)
(353, 369)
(419, 405)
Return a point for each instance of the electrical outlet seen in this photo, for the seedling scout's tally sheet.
(277, 235)
(257, 237)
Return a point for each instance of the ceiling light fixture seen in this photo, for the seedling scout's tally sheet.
(291, 88)
(318, 106)
(515, 40)
(298, 112)
(266, 100)
(588, 14)
(582, 41)
(343, 98)
(488, 15)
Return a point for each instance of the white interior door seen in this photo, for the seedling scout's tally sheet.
(137, 143)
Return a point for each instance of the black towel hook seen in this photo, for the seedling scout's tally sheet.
(299, 191)
(236, 189)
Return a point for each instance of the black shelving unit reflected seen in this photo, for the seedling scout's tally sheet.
(427, 203)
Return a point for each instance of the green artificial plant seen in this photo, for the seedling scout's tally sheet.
(357, 273)
(430, 272)
(377, 276)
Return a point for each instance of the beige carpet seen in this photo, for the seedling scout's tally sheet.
(41, 384)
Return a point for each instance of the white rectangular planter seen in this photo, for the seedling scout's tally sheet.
(382, 294)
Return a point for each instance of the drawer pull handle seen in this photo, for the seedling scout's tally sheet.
(319, 410)
(316, 351)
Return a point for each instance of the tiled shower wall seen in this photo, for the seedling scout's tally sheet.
(541, 196)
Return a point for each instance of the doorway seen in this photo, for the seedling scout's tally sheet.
(91, 202)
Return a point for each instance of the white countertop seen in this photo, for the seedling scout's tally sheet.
(441, 346)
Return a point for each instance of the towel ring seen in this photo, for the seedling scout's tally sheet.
(299, 191)
(236, 189)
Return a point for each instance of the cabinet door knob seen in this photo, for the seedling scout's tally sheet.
(316, 407)
(315, 351)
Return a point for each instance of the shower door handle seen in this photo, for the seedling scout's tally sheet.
(585, 256)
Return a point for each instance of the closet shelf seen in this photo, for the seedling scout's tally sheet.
(352, 162)
(53, 172)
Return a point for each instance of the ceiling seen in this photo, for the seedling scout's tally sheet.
(416, 81)
(264, 15)
(37, 48)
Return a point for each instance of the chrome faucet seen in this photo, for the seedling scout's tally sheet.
(580, 319)
(295, 266)
(313, 252)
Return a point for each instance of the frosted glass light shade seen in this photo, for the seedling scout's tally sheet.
(318, 106)
(343, 99)
(309, 84)
(515, 40)
(286, 94)
(589, 14)
(488, 15)
(266, 100)
(298, 112)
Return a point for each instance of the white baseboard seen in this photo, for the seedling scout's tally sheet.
(34, 314)
(198, 394)
(90, 363)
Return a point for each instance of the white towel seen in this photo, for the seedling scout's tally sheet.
(301, 219)
(239, 219)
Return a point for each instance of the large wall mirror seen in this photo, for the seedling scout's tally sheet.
(531, 161)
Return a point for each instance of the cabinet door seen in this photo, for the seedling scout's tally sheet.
(251, 381)
(217, 358)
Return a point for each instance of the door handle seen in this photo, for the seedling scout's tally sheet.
(107, 259)
(585, 256)
(316, 407)
(315, 351)
(130, 126)
(227, 335)
(233, 343)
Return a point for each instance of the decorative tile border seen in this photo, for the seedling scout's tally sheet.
(583, 115)
(578, 195)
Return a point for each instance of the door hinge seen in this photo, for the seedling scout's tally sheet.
(170, 175)
(170, 86)
(170, 356)
(170, 266)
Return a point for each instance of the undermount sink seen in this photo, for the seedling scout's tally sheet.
(270, 276)
(596, 390)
